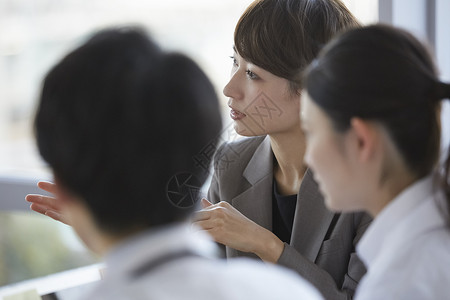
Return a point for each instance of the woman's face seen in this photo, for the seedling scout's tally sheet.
(332, 158)
(260, 102)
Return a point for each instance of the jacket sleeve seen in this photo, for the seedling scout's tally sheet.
(323, 281)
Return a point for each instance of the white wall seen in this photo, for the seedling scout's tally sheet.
(443, 59)
(429, 21)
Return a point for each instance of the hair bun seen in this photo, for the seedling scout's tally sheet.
(447, 90)
(442, 90)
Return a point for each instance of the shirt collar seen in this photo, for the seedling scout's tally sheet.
(390, 217)
(153, 243)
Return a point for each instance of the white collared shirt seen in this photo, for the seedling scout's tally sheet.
(407, 248)
(200, 276)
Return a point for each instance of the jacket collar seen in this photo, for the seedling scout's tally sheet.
(256, 202)
(261, 164)
(312, 219)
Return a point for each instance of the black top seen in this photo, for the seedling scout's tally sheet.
(283, 210)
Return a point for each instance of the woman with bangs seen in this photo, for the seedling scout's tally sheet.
(263, 201)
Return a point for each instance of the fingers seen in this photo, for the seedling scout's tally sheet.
(201, 215)
(47, 186)
(49, 213)
(209, 228)
(44, 201)
(210, 219)
(57, 216)
(38, 208)
(213, 211)
(47, 205)
(205, 203)
(33, 198)
(202, 225)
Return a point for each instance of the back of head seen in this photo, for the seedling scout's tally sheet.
(284, 36)
(386, 75)
(118, 117)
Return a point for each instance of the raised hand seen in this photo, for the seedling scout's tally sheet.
(231, 228)
(46, 205)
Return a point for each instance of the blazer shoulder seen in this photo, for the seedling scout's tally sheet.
(236, 153)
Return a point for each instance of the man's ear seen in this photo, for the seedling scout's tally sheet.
(366, 137)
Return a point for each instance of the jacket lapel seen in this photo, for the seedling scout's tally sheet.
(312, 219)
(256, 202)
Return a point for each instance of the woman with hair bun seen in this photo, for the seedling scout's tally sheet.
(371, 115)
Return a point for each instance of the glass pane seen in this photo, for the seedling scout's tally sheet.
(35, 34)
(33, 246)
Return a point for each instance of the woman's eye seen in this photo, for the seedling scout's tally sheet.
(251, 75)
(235, 63)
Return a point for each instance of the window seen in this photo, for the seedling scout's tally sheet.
(34, 34)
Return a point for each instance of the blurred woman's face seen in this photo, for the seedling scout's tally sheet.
(260, 102)
(329, 155)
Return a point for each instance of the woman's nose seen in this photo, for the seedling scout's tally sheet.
(233, 88)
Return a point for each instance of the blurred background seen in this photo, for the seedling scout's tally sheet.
(35, 34)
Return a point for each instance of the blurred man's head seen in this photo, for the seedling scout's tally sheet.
(117, 119)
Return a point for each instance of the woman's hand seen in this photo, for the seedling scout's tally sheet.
(48, 206)
(231, 228)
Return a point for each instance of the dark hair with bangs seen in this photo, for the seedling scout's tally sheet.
(284, 36)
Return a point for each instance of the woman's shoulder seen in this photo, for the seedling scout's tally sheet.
(237, 154)
(243, 147)
(244, 144)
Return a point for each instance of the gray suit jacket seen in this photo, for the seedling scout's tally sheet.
(322, 247)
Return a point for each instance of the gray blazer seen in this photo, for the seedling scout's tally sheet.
(322, 247)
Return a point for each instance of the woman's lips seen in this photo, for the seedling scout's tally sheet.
(236, 115)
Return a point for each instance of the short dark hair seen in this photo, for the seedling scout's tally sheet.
(383, 74)
(284, 36)
(118, 117)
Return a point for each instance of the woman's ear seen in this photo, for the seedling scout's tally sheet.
(366, 136)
